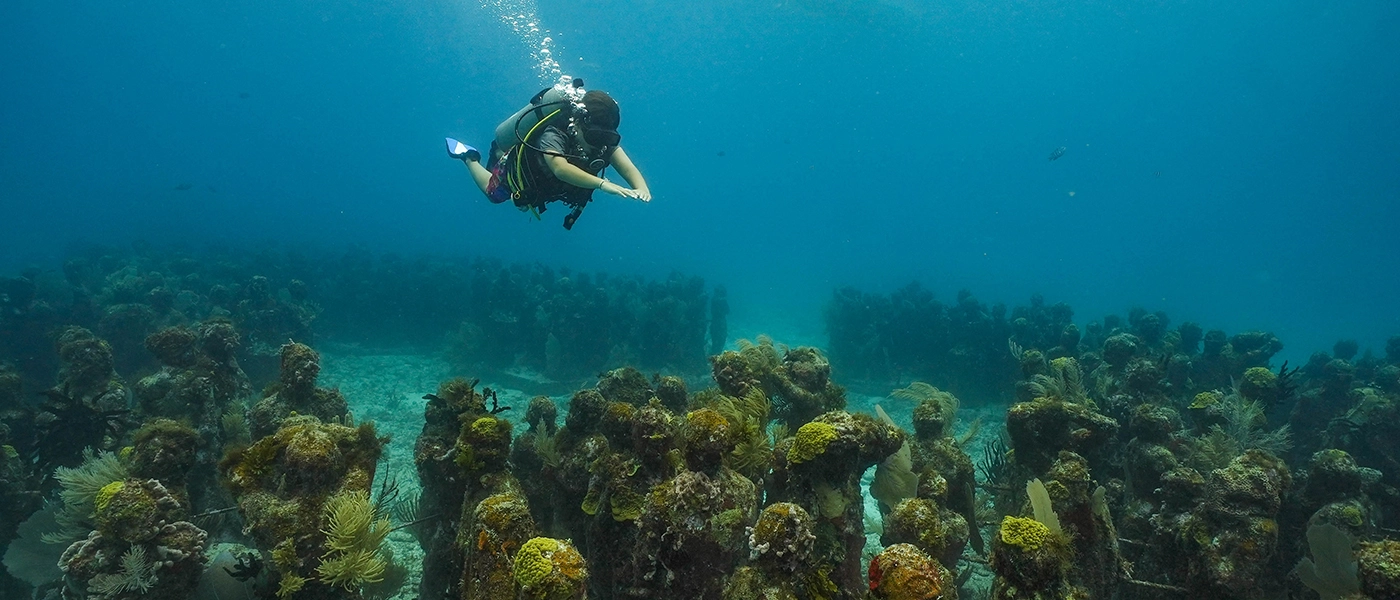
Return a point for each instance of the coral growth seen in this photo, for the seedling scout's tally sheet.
(903, 572)
(549, 569)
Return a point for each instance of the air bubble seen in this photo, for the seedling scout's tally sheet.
(521, 16)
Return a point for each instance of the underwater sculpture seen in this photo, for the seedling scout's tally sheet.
(567, 324)
(475, 510)
(1161, 450)
(200, 383)
(1229, 537)
(303, 493)
(691, 530)
(903, 572)
(797, 380)
(821, 469)
(678, 492)
(960, 346)
(295, 392)
(780, 560)
(549, 569)
(87, 408)
(267, 320)
(1066, 547)
(1061, 417)
(19, 477)
(926, 490)
(572, 325)
(141, 546)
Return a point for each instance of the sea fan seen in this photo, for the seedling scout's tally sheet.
(408, 509)
(830, 501)
(1041, 506)
(1331, 572)
(408, 513)
(895, 478)
(291, 584)
(547, 449)
(971, 433)
(80, 484)
(235, 426)
(922, 392)
(1245, 423)
(995, 463)
(778, 433)
(1016, 350)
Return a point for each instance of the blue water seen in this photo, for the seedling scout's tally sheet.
(1235, 164)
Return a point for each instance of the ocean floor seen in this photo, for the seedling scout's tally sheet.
(388, 389)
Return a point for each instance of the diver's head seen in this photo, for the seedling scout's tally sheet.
(600, 118)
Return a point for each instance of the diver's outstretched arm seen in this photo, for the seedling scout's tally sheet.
(629, 171)
(566, 172)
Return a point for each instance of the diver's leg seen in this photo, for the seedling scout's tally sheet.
(480, 175)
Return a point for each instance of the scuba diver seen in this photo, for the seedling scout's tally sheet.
(556, 148)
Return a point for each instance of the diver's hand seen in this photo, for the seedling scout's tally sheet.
(617, 190)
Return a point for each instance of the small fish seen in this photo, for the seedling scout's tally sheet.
(720, 153)
(1058, 152)
(243, 95)
(184, 186)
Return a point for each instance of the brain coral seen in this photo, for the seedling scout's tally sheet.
(812, 440)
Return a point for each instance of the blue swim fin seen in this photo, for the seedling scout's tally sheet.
(461, 151)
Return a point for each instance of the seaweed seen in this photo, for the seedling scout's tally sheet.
(136, 576)
(1064, 383)
(80, 488)
(354, 532)
(995, 464)
(748, 418)
(1243, 429)
(1286, 385)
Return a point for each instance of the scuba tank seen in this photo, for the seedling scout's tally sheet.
(550, 104)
